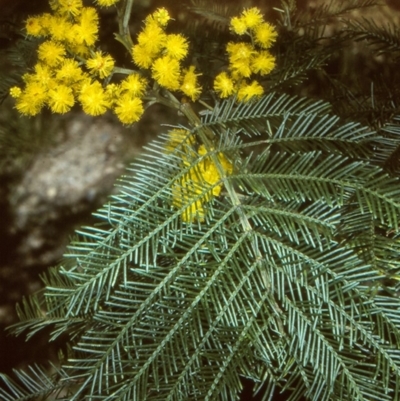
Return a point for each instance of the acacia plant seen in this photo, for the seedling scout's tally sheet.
(259, 240)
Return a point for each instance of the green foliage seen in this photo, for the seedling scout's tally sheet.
(302, 297)
(292, 280)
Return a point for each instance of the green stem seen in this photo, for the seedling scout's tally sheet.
(125, 23)
(125, 71)
(124, 14)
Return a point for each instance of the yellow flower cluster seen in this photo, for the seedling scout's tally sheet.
(69, 66)
(162, 53)
(246, 59)
(200, 184)
(71, 23)
(59, 80)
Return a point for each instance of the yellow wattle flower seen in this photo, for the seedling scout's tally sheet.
(249, 91)
(59, 27)
(69, 72)
(134, 84)
(152, 37)
(32, 99)
(224, 85)
(176, 46)
(190, 85)
(101, 65)
(61, 99)
(201, 181)
(15, 92)
(93, 99)
(51, 53)
(128, 108)
(87, 28)
(241, 69)
(161, 15)
(179, 137)
(263, 62)
(34, 26)
(246, 59)
(240, 55)
(68, 7)
(265, 35)
(252, 17)
(166, 71)
(238, 25)
(239, 51)
(142, 57)
(43, 75)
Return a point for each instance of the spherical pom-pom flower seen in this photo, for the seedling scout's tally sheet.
(39, 25)
(161, 15)
(59, 27)
(239, 51)
(134, 84)
(239, 58)
(176, 46)
(263, 63)
(51, 53)
(100, 64)
(265, 35)
(247, 92)
(252, 17)
(240, 69)
(43, 75)
(89, 18)
(93, 98)
(152, 38)
(190, 85)
(142, 57)
(68, 7)
(61, 99)
(166, 71)
(106, 3)
(15, 92)
(87, 28)
(26, 107)
(34, 26)
(128, 109)
(238, 25)
(224, 85)
(32, 99)
(69, 72)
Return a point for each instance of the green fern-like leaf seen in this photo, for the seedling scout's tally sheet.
(284, 282)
